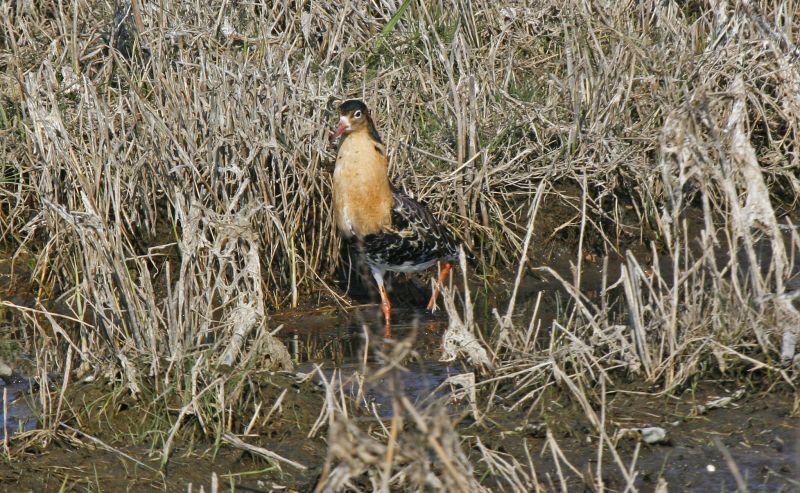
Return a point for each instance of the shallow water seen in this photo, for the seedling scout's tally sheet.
(759, 431)
(15, 415)
(348, 346)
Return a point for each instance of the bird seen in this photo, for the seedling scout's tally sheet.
(393, 231)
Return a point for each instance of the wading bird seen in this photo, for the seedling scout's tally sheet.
(394, 232)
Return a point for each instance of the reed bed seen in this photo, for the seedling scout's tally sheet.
(165, 171)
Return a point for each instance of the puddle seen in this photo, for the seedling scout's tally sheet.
(15, 414)
(336, 343)
(422, 383)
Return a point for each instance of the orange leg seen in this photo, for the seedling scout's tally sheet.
(442, 277)
(386, 306)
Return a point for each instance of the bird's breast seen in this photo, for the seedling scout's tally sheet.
(362, 198)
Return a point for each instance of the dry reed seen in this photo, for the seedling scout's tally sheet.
(165, 163)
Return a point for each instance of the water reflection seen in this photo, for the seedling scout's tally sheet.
(352, 344)
(15, 413)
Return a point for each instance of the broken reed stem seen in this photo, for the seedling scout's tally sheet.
(734, 469)
(579, 260)
(114, 450)
(387, 467)
(534, 208)
(261, 451)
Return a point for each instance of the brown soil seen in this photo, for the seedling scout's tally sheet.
(124, 451)
(759, 431)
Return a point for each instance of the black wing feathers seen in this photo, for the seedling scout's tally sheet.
(415, 238)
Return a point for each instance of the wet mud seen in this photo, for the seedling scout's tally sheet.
(752, 442)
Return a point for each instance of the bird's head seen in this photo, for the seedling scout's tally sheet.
(353, 116)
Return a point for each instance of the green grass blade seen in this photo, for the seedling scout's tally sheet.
(390, 25)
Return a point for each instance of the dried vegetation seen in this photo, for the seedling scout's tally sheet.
(166, 168)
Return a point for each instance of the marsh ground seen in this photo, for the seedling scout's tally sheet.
(752, 436)
(625, 174)
(757, 428)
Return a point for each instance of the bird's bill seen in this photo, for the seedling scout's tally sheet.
(342, 127)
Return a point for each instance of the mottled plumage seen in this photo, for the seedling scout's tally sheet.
(414, 241)
(394, 231)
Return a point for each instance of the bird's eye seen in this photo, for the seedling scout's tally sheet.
(357, 114)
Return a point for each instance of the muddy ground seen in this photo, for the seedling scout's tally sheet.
(119, 444)
(757, 428)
